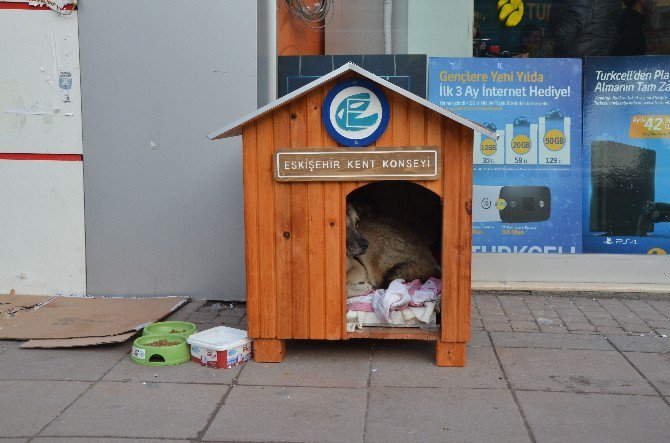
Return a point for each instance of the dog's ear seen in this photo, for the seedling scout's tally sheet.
(363, 210)
(352, 213)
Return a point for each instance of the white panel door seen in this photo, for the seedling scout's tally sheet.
(42, 227)
(40, 99)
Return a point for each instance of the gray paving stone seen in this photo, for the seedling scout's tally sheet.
(632, 343)
(549, 341)
(489, 310)
(654, 366)
(9, 344)
(497, 327)
(414, 366)
(525, 316)
(571, 371)
(493, 321)
(660, 323)
(269, 413)
(600, 313)
(203, 317)
(139, 410)
(479, 338)
(188, 372)
(544, 313)
(568, 417)
(476, 323)
(28, 406)
(554, 329)
(639, 328)
(314, 363)
(609, 330)
(574, 320)
(524, 326)
(100, 440)
(463, 415)
(604, 322)
(84, 364)
(572, 326)
(184, 312)
(663, 306)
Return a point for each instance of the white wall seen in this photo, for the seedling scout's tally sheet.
(433, 27)
(440, 28)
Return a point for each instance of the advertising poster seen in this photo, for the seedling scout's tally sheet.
(626, 203)
(526, 193)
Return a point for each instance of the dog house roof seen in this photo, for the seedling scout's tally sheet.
(235, 128)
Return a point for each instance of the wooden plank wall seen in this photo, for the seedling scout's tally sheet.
(295, 232)
(456, 232)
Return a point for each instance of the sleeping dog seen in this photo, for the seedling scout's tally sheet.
(357, 278)
(382, 250)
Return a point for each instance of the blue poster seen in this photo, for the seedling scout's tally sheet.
(526, 193)
(626, 183)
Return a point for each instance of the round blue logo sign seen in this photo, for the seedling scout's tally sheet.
(356, 113)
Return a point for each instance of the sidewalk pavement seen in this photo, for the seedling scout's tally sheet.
(538, 369)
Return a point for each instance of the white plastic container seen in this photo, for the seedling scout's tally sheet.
(220, 347)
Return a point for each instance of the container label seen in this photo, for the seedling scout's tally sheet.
(203, 354)
(138, 353)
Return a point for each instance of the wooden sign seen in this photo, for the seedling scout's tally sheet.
(373, 163)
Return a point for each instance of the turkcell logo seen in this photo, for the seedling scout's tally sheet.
(355, 113)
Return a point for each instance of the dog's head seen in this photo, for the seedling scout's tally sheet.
(356, 243)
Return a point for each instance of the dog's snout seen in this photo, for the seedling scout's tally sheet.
(364, 244)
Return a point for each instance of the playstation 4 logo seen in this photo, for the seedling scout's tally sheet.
(356, 113)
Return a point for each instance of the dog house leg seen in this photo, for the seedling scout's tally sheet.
(269, 350)
(449, 354)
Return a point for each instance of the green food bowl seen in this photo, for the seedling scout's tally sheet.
(160, 350)
(183, 328)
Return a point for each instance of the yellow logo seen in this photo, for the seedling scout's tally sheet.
(521, 144)
(656, 251)
(488, 147)
(501, 204)
(510, 12)
(554, 140)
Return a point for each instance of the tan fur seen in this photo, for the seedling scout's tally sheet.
(357, 278)
(379, 251)
(395, 252)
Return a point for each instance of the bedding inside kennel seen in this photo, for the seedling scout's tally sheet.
(298, 176)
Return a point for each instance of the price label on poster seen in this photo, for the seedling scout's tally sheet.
(649, 126)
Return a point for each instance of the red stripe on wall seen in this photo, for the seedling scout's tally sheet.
(18, 5)
(44, 157)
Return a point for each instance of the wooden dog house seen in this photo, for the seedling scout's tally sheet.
(295, 227)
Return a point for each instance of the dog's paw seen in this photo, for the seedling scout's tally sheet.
(360, 288)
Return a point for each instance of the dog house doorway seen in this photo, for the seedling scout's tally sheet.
(393, 258)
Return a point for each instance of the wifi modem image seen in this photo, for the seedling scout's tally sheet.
(525, 204)
(511, 204)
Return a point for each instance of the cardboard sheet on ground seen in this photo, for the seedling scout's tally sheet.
(76, 342)
(75, 317)
(11, 300)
